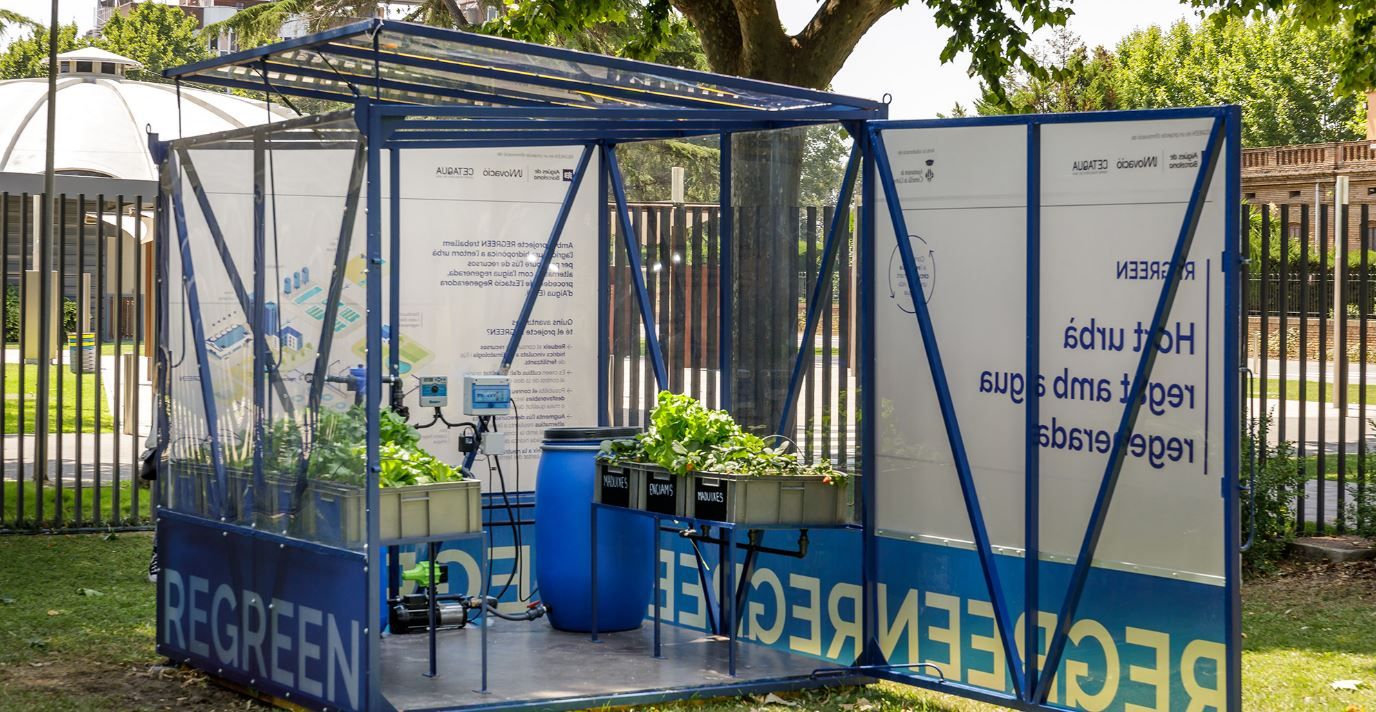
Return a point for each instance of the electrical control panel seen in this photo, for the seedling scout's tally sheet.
(434, 391)
(486, 394)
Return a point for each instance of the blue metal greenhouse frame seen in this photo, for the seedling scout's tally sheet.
(418, 87)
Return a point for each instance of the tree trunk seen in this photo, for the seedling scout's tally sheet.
(765, 173)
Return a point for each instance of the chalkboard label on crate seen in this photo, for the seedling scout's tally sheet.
(661, 493)
(709, 498)
(616, 487)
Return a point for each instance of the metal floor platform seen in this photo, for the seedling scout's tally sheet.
(533, 666)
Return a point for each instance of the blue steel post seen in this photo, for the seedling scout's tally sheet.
(1232, 437)
(259, 318)
(604, 294)
(193, 307)
(1031, 561)
(394, 266)
(820, 287)
(628, 238)
(538, 280)
(948, 415)
(871, 653)
(1135, 396)
(725, 276)
(371, 398)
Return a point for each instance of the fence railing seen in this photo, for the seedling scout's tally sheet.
(100, 407)
(681, 256)
(1309, 343)
(85, 471)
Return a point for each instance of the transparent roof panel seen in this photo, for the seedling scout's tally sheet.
(417, 64)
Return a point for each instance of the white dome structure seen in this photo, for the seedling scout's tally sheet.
(103, 118)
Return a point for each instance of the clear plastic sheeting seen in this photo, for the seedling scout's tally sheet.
(268, 383)
(415, 64)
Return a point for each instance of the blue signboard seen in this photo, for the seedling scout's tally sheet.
(277, 615)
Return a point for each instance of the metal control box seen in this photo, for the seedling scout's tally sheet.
(486, 395)
(434, 391)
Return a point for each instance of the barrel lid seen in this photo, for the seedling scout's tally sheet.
(609, 433)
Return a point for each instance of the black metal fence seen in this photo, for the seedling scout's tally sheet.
(1309, 303)
(82, 470)
(681, 258)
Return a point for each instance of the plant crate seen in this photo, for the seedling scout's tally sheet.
(803, 500)
(186, 487)
(619, 485)
(336, 514)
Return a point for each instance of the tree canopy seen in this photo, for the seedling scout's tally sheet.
(1283, 73)
(157, 35)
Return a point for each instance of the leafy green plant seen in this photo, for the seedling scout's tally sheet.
(1266, 511)
(339, 451)
(685, 437)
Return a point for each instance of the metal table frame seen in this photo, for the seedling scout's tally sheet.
(732, 595)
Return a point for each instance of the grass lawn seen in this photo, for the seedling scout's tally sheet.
(92, 398)
(78, 633)
(88, 501)
(1311, 391)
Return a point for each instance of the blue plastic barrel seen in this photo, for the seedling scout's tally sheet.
(563, 545)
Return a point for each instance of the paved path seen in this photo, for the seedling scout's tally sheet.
(1330, 500)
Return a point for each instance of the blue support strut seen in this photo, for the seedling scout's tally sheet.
(538, 281)
(193, 305)
(1114, 468)
(948, 412)
(822, 287)
(628, 238)
(1031, 560)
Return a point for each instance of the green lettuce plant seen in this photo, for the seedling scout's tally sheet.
(685, 437)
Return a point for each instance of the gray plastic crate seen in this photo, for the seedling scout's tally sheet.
(804, 500)
(335, 512)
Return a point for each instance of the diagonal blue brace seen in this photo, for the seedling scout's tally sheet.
(341, 261)
(821, 288)
(193, 305)
(948, 412)
(628, 239)
(538, 280)
(1109, 484)
(236, 282)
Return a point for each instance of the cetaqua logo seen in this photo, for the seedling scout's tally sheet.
(1089, 165)
(503, 173)
(453, 172)
(1133, 163)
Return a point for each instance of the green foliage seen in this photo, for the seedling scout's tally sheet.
(995, 37)
(645, 167)
(1352, 22)
(10, 18)
(339, 451)
(28, 56)
(684, 436)
(1281, 71)
(1267, 508)
(157, 35)
(13, 315)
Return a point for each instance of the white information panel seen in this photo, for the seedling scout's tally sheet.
(474, 225)
(1113, 198)
(1155, 626)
